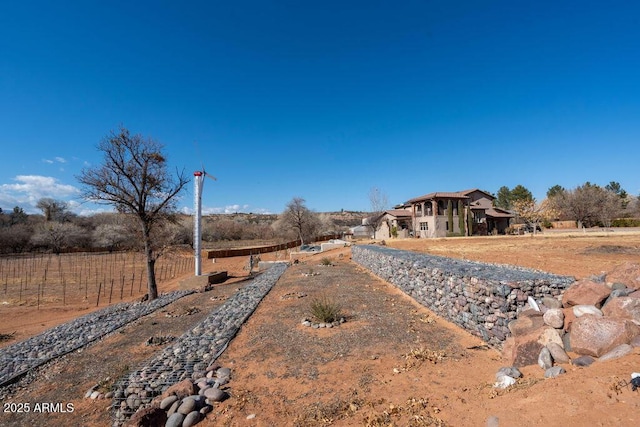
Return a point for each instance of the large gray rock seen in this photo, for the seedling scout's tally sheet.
(585, 292)
(623, 308)
(544, 359)
(594, 336)
(175, 420)
(583, 361)
(619, 351)
(557, 353)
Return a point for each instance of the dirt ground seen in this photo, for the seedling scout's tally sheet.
(392, 363)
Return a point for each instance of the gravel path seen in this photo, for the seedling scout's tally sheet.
(193, 352)
(20, 358)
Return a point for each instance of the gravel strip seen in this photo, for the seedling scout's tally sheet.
(18, 359)
(193, 352)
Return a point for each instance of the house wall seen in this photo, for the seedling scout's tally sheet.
(479, 297)
(437, 225)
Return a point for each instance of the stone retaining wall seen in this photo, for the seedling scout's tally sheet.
(482, 298)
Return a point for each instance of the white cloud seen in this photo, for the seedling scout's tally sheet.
(28, 189)
(56, 159)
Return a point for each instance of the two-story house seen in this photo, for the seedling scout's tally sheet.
(430, 216)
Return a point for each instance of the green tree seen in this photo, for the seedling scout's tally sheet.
(503, 198)
(134, 178)
(556, 190)
(519, 192)
(461, 218)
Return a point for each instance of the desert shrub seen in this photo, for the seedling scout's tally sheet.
(326, 261)
(325, 310)
(625, 222)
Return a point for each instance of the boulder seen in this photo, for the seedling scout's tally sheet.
(554, 317)
(585, 292)
(627, 273)
(522, 351)
(623, 308)
(594, 336)
(526, 324)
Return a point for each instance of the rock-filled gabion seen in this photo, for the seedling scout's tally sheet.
(21, 357)
(480, 297)
(193, 352)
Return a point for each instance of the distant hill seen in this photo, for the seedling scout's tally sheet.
(340, 218)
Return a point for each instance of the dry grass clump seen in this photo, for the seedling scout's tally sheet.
(325, 310)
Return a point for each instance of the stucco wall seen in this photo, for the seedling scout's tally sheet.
(481, 298)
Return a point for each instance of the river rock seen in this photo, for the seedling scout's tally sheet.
(504, 381)
(583, 361)
(544, 359)
(188, 405)
(175, 420)
(192, 419)
(168, 401)
(510, 371)
(215, 394)
(554, 371)
(557, 353)
(581, 310)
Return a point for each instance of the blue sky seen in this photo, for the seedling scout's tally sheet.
(322, 100)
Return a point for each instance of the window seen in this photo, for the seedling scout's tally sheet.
(424, 226)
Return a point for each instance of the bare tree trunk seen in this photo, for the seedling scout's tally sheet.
(151, 264)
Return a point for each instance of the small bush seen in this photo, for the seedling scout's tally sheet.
(325, 310)
(625, 222)
(326, 261)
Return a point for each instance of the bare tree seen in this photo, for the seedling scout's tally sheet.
(300, 218)
(53, 210)
(58, 236)
(589, 205)
(535, 213)
(379, 203)
(134, 179)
